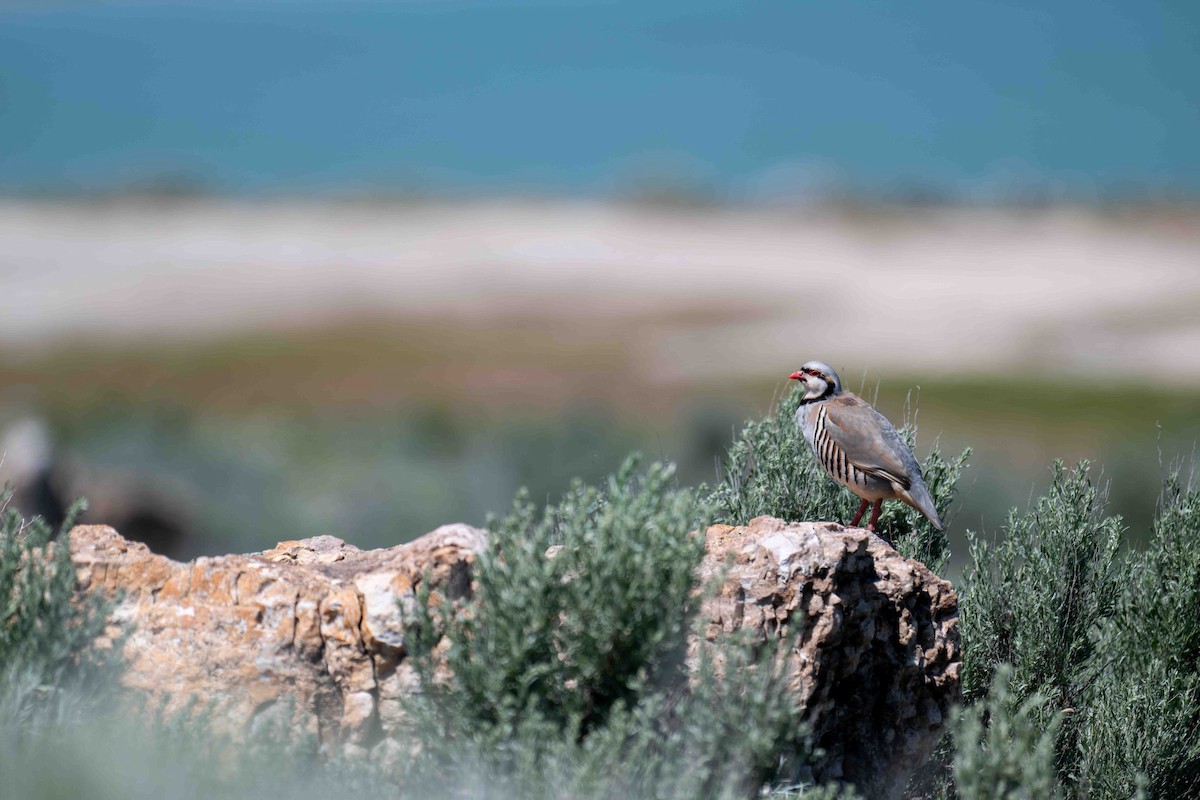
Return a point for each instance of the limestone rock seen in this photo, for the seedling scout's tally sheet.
(315, 626)
(878, 655)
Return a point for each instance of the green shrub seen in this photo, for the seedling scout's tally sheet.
(567, 671)
(118, 756)
(1140, 726)
(733, 729)
(1004, 748)
(1081, 658)
(564, 639)
(1107, 639)
(770, 469)
(1033, 602)
(45, 637)
(1034, 598)
(64, 732)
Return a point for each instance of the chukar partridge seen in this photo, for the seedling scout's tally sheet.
(857, 446)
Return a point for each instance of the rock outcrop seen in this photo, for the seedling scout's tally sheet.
(878, 654)
(314, 629)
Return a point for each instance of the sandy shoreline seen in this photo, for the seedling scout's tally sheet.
(940, 292)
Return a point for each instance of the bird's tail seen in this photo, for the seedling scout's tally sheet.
(919, 498)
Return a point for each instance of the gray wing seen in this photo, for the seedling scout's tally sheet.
(874, 446)
(870, 442)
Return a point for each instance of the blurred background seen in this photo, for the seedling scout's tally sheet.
(273, 269)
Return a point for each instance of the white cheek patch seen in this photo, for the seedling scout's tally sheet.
(814, 387)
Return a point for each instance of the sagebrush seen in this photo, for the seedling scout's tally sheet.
(1105, 637)
(47, 663)
(1081, 657)
(568, 664)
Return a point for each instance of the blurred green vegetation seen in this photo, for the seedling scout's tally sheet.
(379, 430)
(1079, 660)
(1017, 425)
(567, 676)
(1082, 651)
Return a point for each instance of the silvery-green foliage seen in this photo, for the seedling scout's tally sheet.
(1140, 726)
(567, 668)
(769, 469)
(1033, 598)
(723, 736)
(1108, 637)
(44, 634)
(1004, 746)
(1138, 734)
(560, 640)
(730, 731)
(918, 539)
(111, 754)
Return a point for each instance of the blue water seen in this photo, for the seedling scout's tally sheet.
(585, 97)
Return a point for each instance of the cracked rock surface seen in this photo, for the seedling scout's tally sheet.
(877, 662)
(313, 629)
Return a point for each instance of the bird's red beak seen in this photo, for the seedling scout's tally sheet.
(796, 376)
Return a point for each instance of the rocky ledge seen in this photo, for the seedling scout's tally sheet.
(314, 628)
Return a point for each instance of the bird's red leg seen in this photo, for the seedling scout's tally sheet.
(874, 515)
(858, 517)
